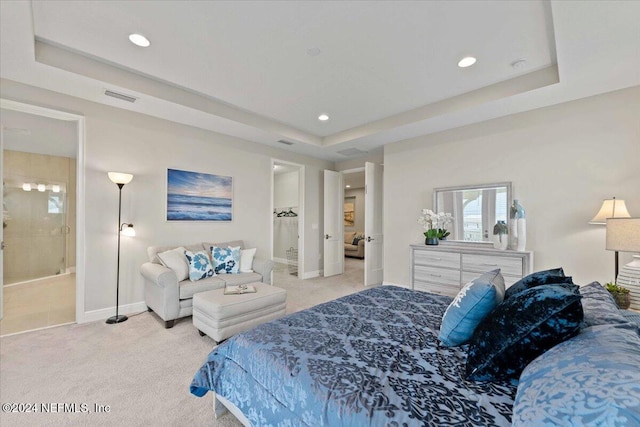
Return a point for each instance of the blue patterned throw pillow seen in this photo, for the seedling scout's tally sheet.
(522, 328)
(546, 277)
(199, 265)
(225, 260)
(592, 379)
(600, 308)
(472, 304)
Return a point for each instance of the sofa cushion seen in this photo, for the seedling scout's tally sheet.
(226, 260)
(176, 261)
(199, 265)
(522, 328)
(472, 304)
(348, 236)
(188, 288)
(240, 278)
(233, 243)
(545, 277)
(590, 380)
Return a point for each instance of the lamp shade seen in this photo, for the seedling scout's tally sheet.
(120, 178)
(611, 208)
(623, 234)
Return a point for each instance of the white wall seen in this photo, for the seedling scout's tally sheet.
(562, 160)
(119, 140)
(285, 194)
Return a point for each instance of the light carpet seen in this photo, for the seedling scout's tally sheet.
(139, 369)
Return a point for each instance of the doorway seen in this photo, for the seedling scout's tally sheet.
(40, 174)
(287, 201)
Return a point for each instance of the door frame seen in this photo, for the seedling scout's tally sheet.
(301, 211)
(80, 187)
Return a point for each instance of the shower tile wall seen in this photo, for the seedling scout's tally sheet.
(36, 239)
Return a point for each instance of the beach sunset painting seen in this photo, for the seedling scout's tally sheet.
(193, 196)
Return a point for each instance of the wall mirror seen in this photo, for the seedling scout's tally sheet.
(475, 208)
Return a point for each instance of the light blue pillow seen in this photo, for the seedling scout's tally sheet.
(226, 260)
(472, 304)
(592, 379)
(199, 265)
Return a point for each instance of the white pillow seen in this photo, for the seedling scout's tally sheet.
(176, 261)
(246, 260)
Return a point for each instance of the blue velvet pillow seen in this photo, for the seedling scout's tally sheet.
(470, 306)
(522, 328)
(199, 265)
(545, 277)
(592, 379)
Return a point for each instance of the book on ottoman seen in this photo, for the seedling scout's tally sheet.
(239, 289)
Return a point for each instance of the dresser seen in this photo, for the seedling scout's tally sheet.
(444, 269)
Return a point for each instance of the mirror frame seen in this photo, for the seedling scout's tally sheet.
(506, 184)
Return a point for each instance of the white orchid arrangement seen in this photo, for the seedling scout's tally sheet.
(435, 224)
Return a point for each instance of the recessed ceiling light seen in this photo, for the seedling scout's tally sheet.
(347, 186)
(139, 40)
(323, 117)
(467, 61)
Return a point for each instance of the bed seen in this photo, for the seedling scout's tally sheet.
(377, 358)
(367, 359)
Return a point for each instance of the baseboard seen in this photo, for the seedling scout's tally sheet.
(312, 274)
(105, 313)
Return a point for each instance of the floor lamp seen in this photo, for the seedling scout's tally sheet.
(120, 179)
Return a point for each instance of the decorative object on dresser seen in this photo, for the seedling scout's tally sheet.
(120, 179)
(500, 235)
(623, 234)
(435, 225)
(446, 268)
(518, 235)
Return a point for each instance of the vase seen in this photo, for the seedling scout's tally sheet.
(629, 277)
(431, 241)
(517, 227)
(500, 241)
(623, 301)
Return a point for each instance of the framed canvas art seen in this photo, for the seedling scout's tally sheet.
(194, 196)
(349, 211)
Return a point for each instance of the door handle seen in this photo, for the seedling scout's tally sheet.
(369, 239)
(326, 236)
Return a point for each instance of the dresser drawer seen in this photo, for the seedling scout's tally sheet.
(429, 274)
(468, 276)
(482, 263)
(438, 259)
(436, 288)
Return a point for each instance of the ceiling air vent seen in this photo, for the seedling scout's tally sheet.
(351, 152)
(121, 96)
(282, 141)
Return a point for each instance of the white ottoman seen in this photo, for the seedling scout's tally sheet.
(220, 316)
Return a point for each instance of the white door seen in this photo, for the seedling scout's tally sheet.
(333, 226)
(374, 239)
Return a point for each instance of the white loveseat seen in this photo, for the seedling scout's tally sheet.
(171, 299)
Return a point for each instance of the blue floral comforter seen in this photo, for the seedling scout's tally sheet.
(367, 359)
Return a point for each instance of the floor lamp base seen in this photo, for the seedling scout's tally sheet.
(117, 319)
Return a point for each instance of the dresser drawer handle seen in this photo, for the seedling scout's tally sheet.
(488, 264)
(435, 259)
(435, 275)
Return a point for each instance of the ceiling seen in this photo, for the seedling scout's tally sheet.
(383, 71)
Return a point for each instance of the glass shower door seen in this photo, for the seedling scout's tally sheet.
(35, 235)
